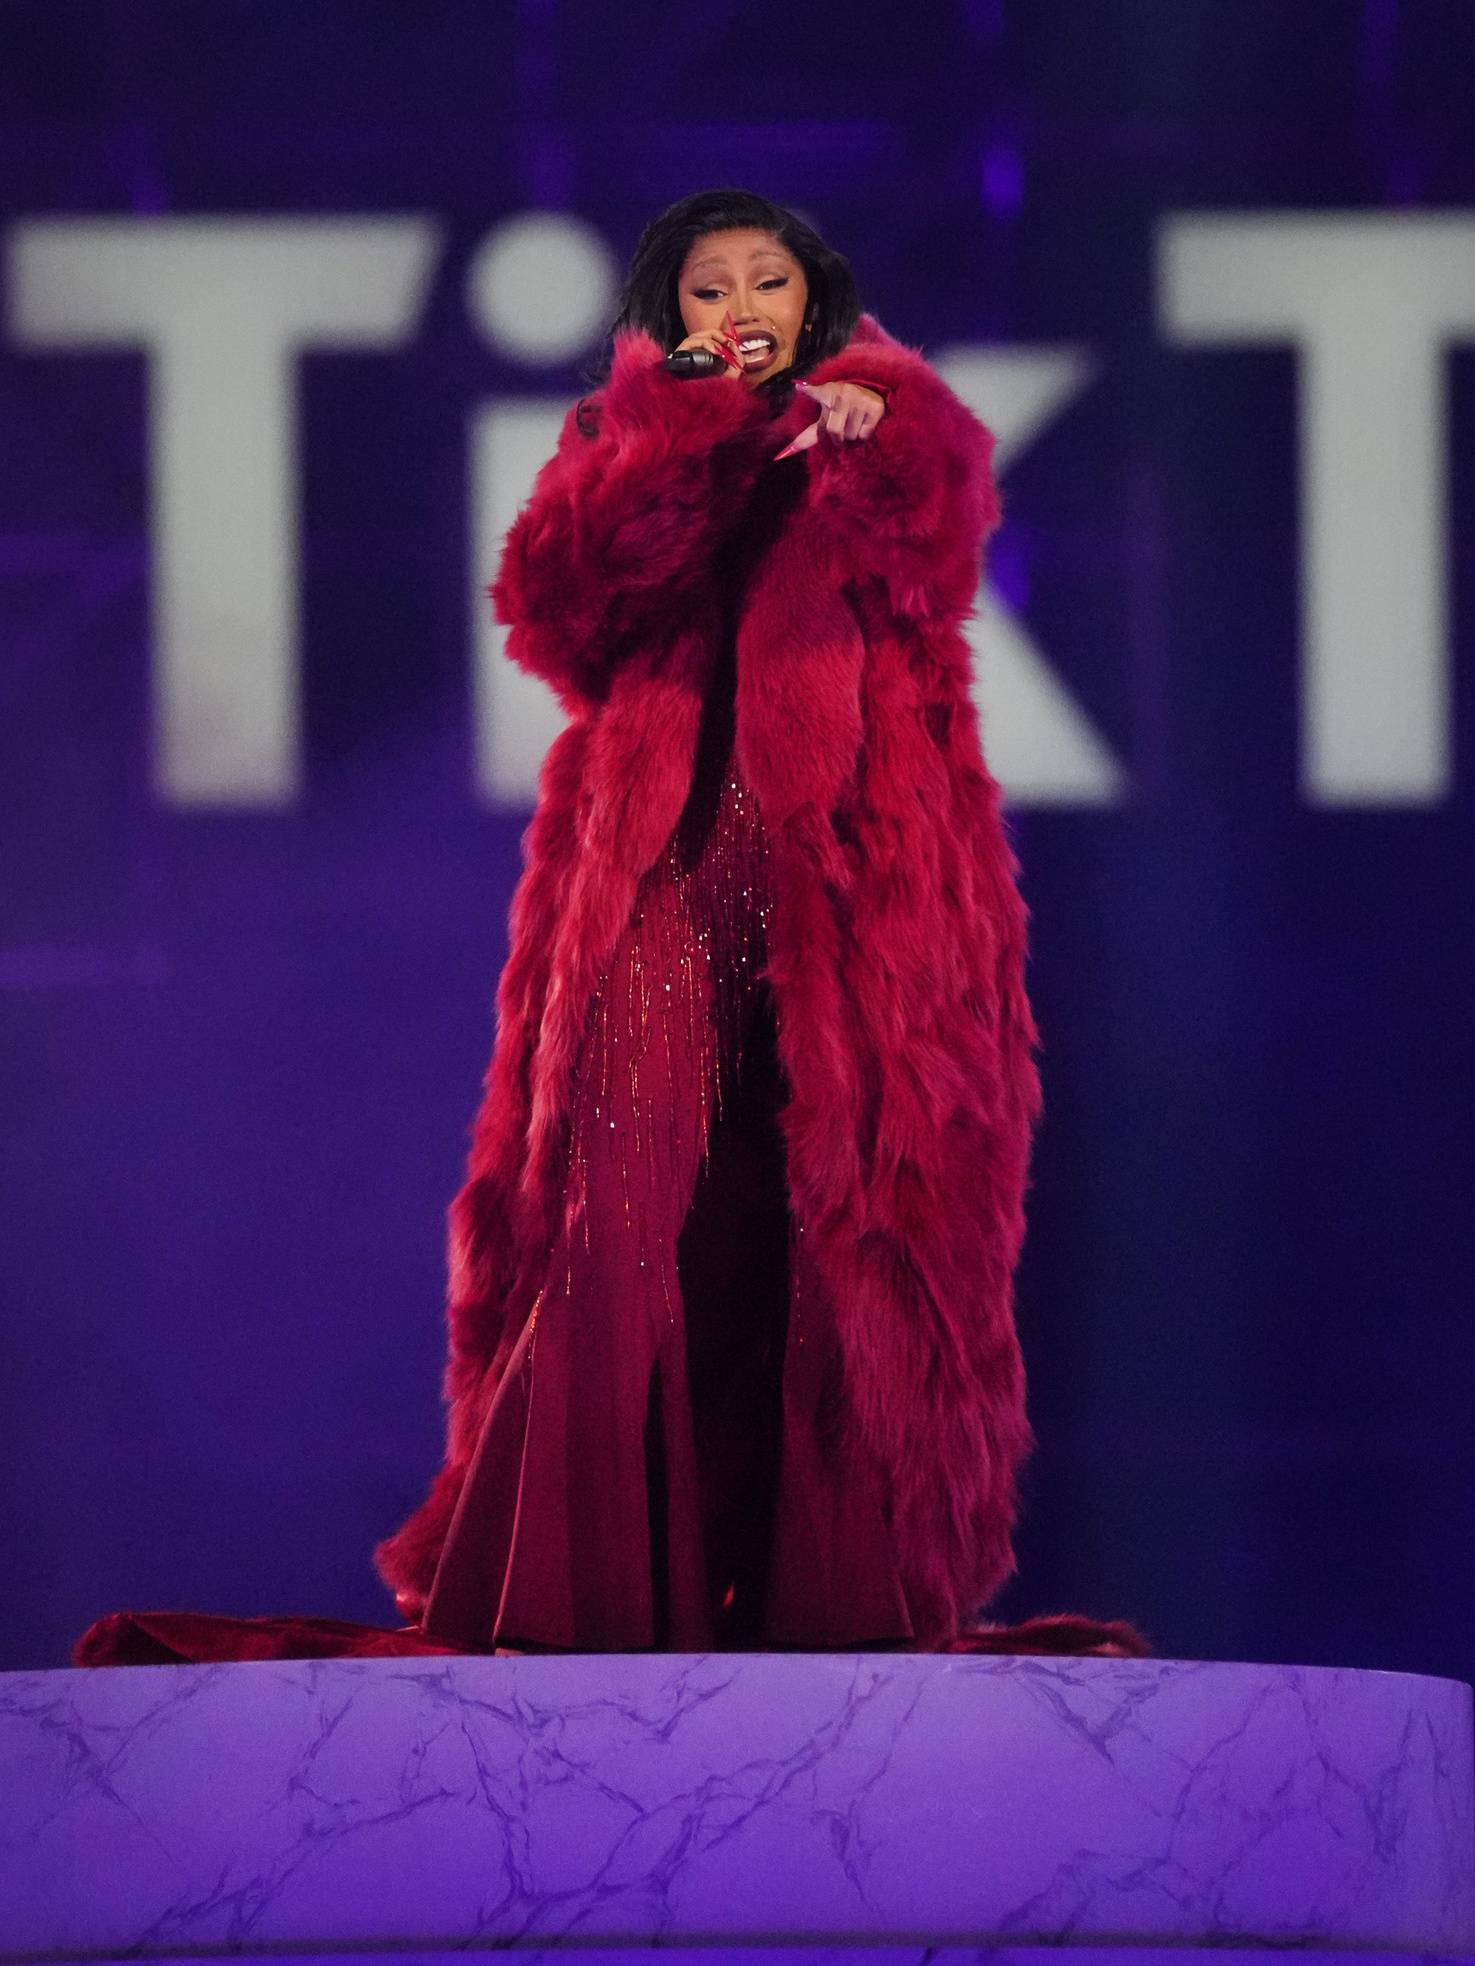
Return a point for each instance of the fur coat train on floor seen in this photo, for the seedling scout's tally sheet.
(897, 938)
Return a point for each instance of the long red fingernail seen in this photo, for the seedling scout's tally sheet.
(807, 438)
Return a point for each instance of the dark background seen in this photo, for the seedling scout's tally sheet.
(238, 1053)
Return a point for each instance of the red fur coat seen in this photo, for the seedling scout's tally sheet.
(897, 938)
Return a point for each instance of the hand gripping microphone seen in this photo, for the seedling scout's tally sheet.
(690, 362)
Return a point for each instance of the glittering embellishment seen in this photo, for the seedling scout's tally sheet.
(532, 1331)
(698, 946)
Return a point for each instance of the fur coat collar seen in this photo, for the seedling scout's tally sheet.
(896, 944)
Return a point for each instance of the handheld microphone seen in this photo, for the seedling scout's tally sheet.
(689, 362)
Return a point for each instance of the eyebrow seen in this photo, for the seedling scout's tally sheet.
(715, 263)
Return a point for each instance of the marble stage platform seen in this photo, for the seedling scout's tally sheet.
(808, 1805)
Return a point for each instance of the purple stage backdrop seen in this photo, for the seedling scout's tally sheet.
(292, 299)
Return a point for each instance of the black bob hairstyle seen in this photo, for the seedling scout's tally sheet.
(649, 298)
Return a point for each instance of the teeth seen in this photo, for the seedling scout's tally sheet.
(750, 347)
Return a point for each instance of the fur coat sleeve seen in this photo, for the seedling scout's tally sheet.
(897, 940)
(626, 517)
(913, 505)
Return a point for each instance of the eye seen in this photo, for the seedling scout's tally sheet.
(706, 293)
(773, 280)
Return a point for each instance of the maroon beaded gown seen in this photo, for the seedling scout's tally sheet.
(664, 1464)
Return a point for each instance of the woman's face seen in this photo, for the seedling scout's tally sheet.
(751, 276)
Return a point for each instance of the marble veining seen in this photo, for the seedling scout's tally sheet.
(730, 1799)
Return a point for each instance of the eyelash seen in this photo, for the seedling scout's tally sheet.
(715, 293)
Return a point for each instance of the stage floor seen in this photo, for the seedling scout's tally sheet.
(800, 1804)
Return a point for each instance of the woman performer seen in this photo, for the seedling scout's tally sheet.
(732, 1350)
(732, 1353)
